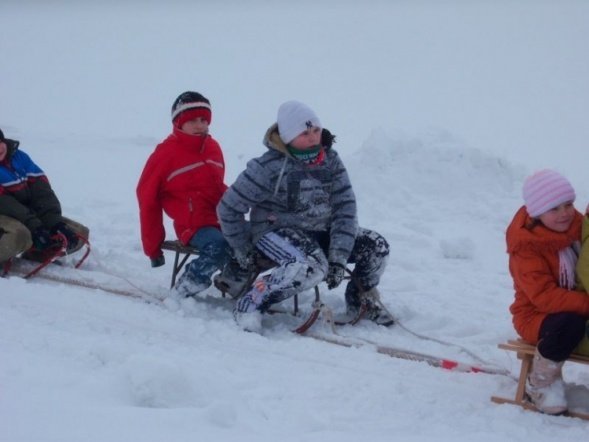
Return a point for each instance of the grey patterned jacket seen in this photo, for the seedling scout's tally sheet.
(282, 191)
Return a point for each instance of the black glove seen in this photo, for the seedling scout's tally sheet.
(41, 238)
(335, 275)
(70, 235)
(159, 261)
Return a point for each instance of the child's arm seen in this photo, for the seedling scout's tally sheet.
(534, 278)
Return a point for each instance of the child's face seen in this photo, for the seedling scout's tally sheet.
(560, 218)
(195, 126)
(3, 150)
(307, 139)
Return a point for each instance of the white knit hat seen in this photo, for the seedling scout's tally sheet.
(294, 118)
(546, 190)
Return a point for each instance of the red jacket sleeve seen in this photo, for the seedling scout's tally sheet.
(150, 208)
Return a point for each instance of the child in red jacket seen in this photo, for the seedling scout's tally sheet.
(543, 242)
(184, 177)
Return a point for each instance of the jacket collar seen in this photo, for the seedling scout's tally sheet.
(191, 141)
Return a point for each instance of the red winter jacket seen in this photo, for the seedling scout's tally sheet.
(534, 266)
(184, 178)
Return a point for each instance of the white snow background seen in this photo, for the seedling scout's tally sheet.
(441, 109)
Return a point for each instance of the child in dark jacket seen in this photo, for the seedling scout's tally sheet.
(302, 217)
(30, 212)
(183, 177)
(543, 242)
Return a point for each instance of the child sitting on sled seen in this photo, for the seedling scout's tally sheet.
(543, 242)
(302, 217)
(184, 178)
(30, 213)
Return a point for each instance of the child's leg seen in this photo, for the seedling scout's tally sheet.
(370, 255)
(15, 238)
(560, 333)
(301, 265)
(213, 254)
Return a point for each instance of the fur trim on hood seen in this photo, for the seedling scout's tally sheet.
(272, 140)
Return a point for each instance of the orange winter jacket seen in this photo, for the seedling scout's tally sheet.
(534, 267)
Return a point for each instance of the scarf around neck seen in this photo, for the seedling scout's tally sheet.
(309, 156)
(567, 259)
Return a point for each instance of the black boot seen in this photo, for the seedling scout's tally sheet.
(373, 312)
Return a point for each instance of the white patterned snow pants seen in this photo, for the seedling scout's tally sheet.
(301, 264)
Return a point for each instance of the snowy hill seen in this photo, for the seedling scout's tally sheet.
(436, 153)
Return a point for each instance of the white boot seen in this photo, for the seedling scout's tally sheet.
(246, 313)
(249, 321)
(545, 386)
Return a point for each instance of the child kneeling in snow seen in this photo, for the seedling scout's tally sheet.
(303, 218)
(30, 212)
(543, 242)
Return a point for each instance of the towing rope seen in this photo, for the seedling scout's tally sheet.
(374, 297)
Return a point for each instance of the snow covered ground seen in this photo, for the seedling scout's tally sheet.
(441, 109)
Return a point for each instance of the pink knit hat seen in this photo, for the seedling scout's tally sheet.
(546, 190)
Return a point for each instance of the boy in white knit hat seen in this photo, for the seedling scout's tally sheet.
(548, 310)
(303, 218)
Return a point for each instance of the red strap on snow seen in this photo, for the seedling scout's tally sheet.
(87, 244)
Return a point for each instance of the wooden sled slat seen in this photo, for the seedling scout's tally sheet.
(529, 406)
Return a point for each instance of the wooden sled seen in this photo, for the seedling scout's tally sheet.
(525, 352)
(186, 251)
(179, 249)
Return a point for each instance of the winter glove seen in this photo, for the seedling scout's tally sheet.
(41, 238)
(335, 275)
(70, 235)
(245, 258)
(159, 261)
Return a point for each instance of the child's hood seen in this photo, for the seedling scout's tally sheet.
(272, 140)
(11, 145)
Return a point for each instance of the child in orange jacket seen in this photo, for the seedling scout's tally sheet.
(543, 242)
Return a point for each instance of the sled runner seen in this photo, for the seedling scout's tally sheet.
(46, 257)
(525, 352)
